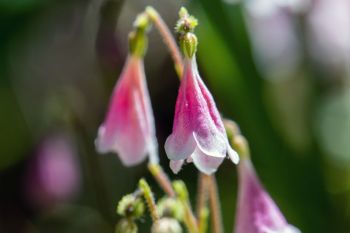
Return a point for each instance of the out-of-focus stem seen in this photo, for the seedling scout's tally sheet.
(202, 199)
(161, 177)
(202, 191)
(216, 218)
(189, 218)
(168, 39)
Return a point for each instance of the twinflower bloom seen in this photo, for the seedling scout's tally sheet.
(129, 128)
(198, 132)
(256, 211)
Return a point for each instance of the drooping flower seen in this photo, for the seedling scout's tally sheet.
(198, 131)
(129, 129)
(256, 211)
(129, 125)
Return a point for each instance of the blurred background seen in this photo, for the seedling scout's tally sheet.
(281, 69)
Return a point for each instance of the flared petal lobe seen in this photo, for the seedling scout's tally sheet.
(128, 129)
(256, 211)
(198, 131)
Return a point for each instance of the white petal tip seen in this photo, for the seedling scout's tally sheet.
(233, 155)
(285, 229)
(292, 229)
(176, 165)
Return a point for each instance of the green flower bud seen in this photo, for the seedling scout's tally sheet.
(181, 190)
(131, 206)
(170, 207)
(240, 144)
(166, 225)
(126, 226)
(186, 22)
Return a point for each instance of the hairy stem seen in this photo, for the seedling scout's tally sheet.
(168, 39)
(148, 195)
(216, 218)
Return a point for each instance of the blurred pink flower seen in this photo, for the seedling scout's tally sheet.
(198, 131)
(256, 211)
(129, 129)
(329, 24)
(54, 174)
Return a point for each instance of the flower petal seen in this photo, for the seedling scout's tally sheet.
(286, 229)
(129, 126)
(232, 154)
(206, 163)
(176, 165)
(178, 146)
(256, 211)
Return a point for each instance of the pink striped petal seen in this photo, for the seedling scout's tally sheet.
(257, 212)
(128, 129)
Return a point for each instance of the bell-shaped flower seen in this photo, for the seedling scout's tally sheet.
(129, 129)
(256, 211)
(198, 133)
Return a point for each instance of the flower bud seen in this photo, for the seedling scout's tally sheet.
(131, 206)
(126, 226)
(170, 207)
(166, 225)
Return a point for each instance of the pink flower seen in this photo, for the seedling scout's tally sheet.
(198, 131)
(129, 128)
(53, 175)
(256, 211)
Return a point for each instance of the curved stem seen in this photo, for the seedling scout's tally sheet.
(168, 39)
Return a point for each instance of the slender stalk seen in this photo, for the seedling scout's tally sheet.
(189, 218)
(202, 192)
(202, 199)
(216, 218)
(168, 39)
(161, 177)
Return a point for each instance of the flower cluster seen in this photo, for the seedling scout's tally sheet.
(198, 135)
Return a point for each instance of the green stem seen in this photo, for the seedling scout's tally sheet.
(161, 177)
(202, 199)
(216, 218)
(189, 218)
